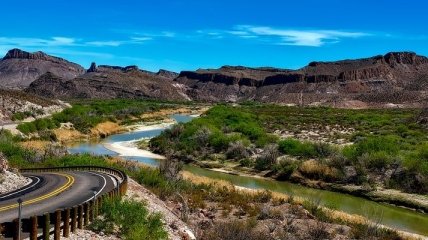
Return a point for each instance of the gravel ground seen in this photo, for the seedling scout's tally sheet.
(10, 181)
(87, 235)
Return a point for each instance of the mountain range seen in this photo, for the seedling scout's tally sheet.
(393, 79)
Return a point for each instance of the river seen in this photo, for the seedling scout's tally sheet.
(391, 216)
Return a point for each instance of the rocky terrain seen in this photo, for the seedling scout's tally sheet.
(10, 181)
(107, 82)
(19, 68)
(16, 105)
(395, 78)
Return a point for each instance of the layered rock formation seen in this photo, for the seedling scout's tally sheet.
(19, 68)
(397, 77)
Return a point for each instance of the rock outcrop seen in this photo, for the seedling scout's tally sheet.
(4, 166)
(93, 68)
(19, 68)
(9, 180)
(16, 105)
(108, 82)
(396, 77)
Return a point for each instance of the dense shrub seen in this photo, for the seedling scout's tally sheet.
(268, 157)
(132, 218)
(285, 168)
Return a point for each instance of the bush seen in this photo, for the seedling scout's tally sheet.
(237, 150)
(268, 157)
(285, 168)
(316, 170)
(296, 148)
(132, 218)
(235, 230)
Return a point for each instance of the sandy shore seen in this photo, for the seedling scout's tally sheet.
(129, 149)
(145, 127)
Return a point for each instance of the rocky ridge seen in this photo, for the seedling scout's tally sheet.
(19, 68)
(396, 77)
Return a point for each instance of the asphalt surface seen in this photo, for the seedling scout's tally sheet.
(55, 191)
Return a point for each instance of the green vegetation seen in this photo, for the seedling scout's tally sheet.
(131, 218)
(385, 141)
(19, 116)
(85, 115)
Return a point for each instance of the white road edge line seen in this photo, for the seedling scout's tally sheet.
(32, 185)
(98, 192)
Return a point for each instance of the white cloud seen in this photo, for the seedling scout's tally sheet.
(312, 38)
(105, 43)
(37, 42)
(141, 39)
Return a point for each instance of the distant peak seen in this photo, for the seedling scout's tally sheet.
(93, 68)
(18, 53)
(394, 58)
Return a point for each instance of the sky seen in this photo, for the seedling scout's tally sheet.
(191, 34)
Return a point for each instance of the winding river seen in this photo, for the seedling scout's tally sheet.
(396, 217)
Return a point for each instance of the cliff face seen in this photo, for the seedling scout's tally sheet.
(19, 68)
(396, 77)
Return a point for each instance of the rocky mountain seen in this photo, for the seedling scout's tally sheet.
(19, 68)
(395, 78)
(103, 82)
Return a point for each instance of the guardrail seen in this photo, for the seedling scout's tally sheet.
(68, 219)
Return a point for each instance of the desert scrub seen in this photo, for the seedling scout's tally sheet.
(384, 140)
(85, 115)
(131, 219)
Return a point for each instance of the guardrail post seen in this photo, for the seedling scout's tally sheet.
(86, 215)
(74, 219)
(96, 207)
(33, 230)
(91, 205)
(57, 225)
(80, 219)
(46, 226)
(66, 220)
(16, 229)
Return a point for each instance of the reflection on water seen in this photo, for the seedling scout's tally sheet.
(392, 216)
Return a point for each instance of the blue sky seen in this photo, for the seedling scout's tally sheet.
(191, 34)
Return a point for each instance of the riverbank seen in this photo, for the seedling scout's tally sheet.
(138, 135)
(67, 133)
(339, 216)
(390, 196)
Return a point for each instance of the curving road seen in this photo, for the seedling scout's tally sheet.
(52, 191)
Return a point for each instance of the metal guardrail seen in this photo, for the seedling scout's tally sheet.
(68, 219)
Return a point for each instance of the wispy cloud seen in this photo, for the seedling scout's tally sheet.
(296, 37)
(284, 36)
(37, 42)
(105, 43)
(67, 42)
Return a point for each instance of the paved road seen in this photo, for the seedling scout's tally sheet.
(56, 191)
